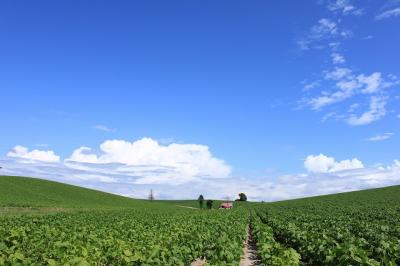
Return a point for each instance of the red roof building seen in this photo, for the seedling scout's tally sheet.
(226, 205)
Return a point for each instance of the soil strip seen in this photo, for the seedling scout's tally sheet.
(198, 262)
(250, 256)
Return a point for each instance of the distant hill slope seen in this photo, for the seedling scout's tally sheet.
(364, 198)
(32, 192)
(195, 203)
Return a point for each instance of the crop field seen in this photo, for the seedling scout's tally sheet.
(356, 228)
(134, 237)
(121, 232)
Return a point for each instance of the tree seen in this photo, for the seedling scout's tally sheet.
(201, 201)
(209, 204)
(151, 195)
(242, 197)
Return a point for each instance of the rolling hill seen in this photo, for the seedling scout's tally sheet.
(18, 191)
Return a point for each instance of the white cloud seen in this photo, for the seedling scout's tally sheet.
(338, 58)
(388, 13)
(163, 163)
(380, 137)
(83, 155)
(376, 111)
(325, 29)
(343, 83)
(396, 164)
(325, 26)
(368, 84)
(329, 116)
(324, 164)
(345, 7)
(104, 128)
(321, 101)
(111, 178)
(339, 73)
(310, 86)
(372, 82)
(347, 85)
(37, 155)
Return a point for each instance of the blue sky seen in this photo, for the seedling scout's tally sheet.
(267, 95)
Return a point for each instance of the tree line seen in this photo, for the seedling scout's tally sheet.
(209, 203)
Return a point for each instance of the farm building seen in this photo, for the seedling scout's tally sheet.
(226, 205)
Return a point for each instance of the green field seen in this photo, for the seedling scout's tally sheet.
(32, 192)
(78, 226)
(357, 228)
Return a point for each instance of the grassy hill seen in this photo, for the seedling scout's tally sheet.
(16, 191)
(32, 192)
(363, 198)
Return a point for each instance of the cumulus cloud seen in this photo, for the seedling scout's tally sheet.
(388, 13)
(164, 163)
(380, 137)
(144, 161)
(83, 155)
(324, 164)
(37, 155)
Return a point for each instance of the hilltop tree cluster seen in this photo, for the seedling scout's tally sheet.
(242, 197)
(209, 202)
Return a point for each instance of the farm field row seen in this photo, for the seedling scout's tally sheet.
(359, 228)
(130, 237)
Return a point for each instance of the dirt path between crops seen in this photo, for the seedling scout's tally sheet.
(187, 207)
(250, 256)
(198, 262)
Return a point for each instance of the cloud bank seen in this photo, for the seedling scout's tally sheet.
(156, 163)
(177, 171)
